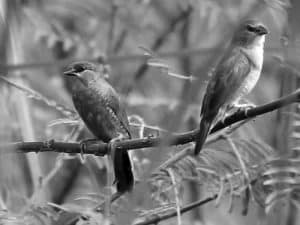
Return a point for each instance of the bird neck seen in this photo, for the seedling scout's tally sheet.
(79, 84)
(259, 42)
(255, 52)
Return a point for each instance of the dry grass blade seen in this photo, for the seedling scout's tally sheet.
(176, 193)
(37, 96)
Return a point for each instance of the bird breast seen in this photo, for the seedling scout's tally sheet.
(255, 55)
(249, 83)
(96, 110)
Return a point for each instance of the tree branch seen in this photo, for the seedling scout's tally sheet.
(100, 149)
(251, 113)
(157, 218)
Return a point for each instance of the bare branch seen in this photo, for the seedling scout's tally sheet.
(100, 149)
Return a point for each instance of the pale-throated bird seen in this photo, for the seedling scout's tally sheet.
(99, 106)
(234, 76)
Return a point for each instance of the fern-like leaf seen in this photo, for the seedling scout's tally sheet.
(216, 170)
(281, 180)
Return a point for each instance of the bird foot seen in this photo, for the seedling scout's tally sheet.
(112, 143)
(236, 108)
(245, 107)
(84, 143)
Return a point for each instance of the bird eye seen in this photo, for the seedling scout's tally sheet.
(251, 28)
(79, 68)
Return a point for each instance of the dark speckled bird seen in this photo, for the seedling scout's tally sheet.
(99, 106)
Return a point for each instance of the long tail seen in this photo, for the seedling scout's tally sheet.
(202, 135)
(123, 171)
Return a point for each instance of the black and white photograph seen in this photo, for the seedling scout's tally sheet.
(149, 112)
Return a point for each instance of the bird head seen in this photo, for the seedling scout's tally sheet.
(250, 33)
(83, 71)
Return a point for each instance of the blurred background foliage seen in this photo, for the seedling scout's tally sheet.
(39, 38)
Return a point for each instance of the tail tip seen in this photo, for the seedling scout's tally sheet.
(198, 147)
(123, 186)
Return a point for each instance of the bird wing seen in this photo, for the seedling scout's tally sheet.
(226, 81)
(124, 118)
(113, 102)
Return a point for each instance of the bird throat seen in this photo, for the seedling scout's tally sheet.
(255, 52)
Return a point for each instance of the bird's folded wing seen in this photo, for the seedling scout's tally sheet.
(227, 79)
(113, 102)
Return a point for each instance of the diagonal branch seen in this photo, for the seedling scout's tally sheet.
(157, 218)
(260, 110)
(100, 149)
(163, 37)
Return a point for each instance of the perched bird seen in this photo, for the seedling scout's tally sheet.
(99, 106)
(234, 76)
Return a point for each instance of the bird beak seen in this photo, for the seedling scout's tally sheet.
(71, 72)
(262, 30)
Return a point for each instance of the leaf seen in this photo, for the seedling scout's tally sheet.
(280, 179)
(216, 170)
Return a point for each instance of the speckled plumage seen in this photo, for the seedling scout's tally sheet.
(99, 106)
(234, 77)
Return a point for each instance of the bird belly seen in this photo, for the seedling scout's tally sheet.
(94, 113)
(247, 85)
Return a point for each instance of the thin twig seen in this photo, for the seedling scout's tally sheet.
(121, 58)
(161, 39)
(120, 40)
(39, 97)
(185, 99)
(157, 218)
(111, 28)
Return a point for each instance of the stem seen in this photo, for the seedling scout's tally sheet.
(157, 218)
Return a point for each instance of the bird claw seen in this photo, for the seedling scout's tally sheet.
(237, 108)
(84, 143)
(245, 107)
(49, 144)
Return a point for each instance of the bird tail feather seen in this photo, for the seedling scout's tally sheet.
(202, 135)
(123, 171)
